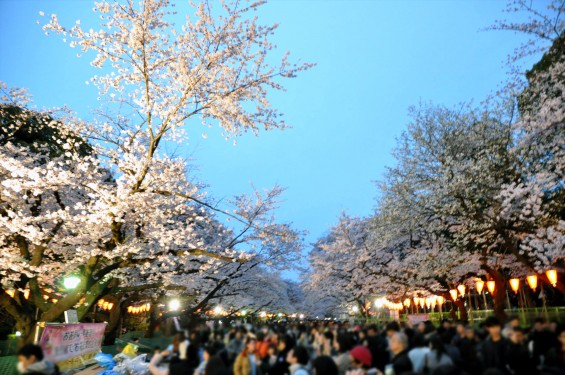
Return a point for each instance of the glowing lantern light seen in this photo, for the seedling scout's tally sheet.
(407, 302)
(514, 284)
(26, 293)
(428, 303)
(11, 293)
(453, 293)
(54, 300)
(491, 286)
(416, 301)
(433, 300)
(552, 276)
(46, 297)
(461, 289)
(532, 281)
(110, 306)
(148, 306)
(71, 282)
(440, 300)
(174, 305)
(105, 305)
(130, 309)
(100, 302)
(479, 284)
(422, 302)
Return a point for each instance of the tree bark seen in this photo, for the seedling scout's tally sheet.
(26, 326)
(462, 310)
(499, 297)
(112, 329)
(154, 320)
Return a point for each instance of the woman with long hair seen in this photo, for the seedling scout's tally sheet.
(437, 356)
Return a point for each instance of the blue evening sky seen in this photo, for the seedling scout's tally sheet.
(375, 59)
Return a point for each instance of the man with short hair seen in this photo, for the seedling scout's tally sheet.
(378, 346)
(298, 358)
(399, 349)
(543, 339)
(495, 347)
(518, 356)
(31, 361)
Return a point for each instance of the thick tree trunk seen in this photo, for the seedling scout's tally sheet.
(453, 312)
(154, 320)
(26, 326)
(500, 298)
(462, 310)
(112, 329)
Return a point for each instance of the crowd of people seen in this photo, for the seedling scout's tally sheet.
(332, 348)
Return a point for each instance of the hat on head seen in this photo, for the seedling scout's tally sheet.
(362, 354)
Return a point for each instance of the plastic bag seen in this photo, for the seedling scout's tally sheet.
(130, 350)
(105, 360)
(134, 366)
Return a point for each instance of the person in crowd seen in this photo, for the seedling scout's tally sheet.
(281, 366)
(468, 348)
(459, 332)
(31, 361)
(418, 352)
(324, 365)
(555, 362)
(543, 339)
(392, 328)
(378, 346)
(451, 350)
(446, 327)
(298, 359)
(235, 346)
(248, 361)
(216, 366)
(518, 357)
(211, 349)
(437, 356)
(342, 345)
(183, 346)
(361, 362)
(495, 347)
(262, 345)
(399, 349)
(176, 367)
(511, 322)
(270, 359)
(325, 343)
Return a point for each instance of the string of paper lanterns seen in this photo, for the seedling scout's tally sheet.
(105, 305)
(139, 309)
(532, 281)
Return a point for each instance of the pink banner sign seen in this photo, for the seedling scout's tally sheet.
(68, 344)
(418, 318)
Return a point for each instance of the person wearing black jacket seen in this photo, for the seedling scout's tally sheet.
(399, 349)
(285, 343)
(518, 356)
(495, 348)
(378, 346)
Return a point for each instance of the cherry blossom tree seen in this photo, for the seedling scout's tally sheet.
(126, 215)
